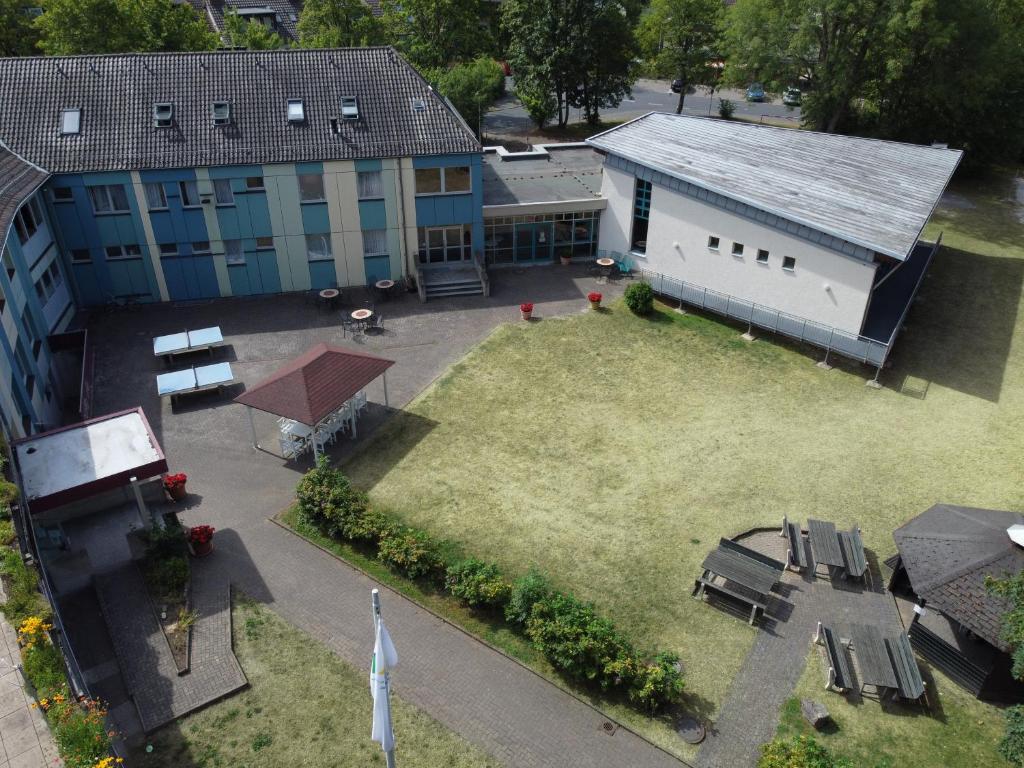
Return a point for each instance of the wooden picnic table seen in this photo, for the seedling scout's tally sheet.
(872, 657)
(824, 543)
(743, 570)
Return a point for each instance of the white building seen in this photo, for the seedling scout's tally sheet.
(809, 234)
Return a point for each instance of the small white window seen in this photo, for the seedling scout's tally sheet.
(789, 263)
(349, 108)
(70, 122)
(762, 256)
(264, 243)
(311, 188)
(318, 247)
(418, 105)
(62, 194)
(189, 194)
(370, 185)
(222, 192)
(296, 111)
(163, 114)
(81, 255)
(201, 247)
(168, 249)
(254, 182)
(156, 199)
(375, 242)
(221, 112)
(233, 252)
(713, 243)
(737, 249)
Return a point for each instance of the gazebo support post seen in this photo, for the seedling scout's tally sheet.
(252, 428)
(384, 378)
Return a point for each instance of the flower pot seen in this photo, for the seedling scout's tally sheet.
(527, 315)
(177, 492)
(202, 550)
(566, 260)
(595, 305)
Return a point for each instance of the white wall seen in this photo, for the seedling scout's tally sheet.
(677, 240)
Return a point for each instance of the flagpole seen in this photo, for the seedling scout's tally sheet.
(389, 755)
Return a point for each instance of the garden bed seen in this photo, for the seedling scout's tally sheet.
(167, 574)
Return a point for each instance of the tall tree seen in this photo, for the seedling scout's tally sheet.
(471, 87)
(249, 34)
(684, 37)
(833, 47)
(435, 33)
(18, 35)
(607, 52)
(338, 24)
(70, 27)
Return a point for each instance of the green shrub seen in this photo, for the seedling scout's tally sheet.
(527, 591)
(726, 109)
(1012, 744)
(640, 298)
(577, 641)
(44, 667)
(329, 502)
(165, 543)
(8, 494)
(801, 752)
(410, 552)
(23, 596)
(168, 577)
(7, 534)
(80, 731)
(658, 684)
(477, 583)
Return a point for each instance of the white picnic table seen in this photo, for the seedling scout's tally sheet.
(190, 380)
(187, 341)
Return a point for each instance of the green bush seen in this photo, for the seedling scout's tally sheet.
(657, 684)
(23, 596)
(726, 109)
(329, 502)
(80, 731)
(527, 591)
(1012, 744)
(801, 752)
(7, 534)
(8, 494)
(410, 552)
(477, 583)
(168, 577)
(44, 667)
(640, 298)
(165, 543)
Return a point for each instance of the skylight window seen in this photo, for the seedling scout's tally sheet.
(418, 105)
(221, 111)
(163, 114)
(349, 108)
(70, 122)
(296, 111)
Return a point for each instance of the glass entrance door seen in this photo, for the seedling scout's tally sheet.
(533, 242)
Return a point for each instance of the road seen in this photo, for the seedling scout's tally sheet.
(509, 117)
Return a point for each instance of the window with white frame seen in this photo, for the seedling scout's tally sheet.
(62, 194)
(762, 256)
(156, 198)
(108, 198)
(264, 243)
(443, 181)
(81, 255)
(27, 220)
(189, 194)
(311, 188)
(370, 185)
(201, 248)
(115, 252)
(318, 247)
(254, 183)
(737, 249)
(168, 249)
(789, 263)
(70, 122)
(713, 243)
(233, 254)
(222, 192)
(375, 242)
(48, 283)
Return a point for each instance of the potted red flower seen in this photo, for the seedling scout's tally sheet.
(595, 299)
(526, 308)
(200, 537)
(175, 485)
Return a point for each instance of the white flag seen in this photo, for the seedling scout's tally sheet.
(384, 659)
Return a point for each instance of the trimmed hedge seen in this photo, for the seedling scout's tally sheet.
(801, 752)
(639, 297)
(572, 635)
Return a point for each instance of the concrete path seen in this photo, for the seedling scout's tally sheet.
(750, 714)
(24, 734)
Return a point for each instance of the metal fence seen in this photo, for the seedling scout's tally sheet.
(826, 337)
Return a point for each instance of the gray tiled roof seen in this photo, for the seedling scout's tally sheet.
(116, 94)
(18, 180)
(948, 551)
(876, 194)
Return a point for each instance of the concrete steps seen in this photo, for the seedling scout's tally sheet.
(456, 282)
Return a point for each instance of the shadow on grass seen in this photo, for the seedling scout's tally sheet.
(387, 446)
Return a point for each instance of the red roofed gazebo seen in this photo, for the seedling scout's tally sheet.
(314, 387)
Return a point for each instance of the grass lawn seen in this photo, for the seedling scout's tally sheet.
(304, 707)
(613, 451)
(956, 731)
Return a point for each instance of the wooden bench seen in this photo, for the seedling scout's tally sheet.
(856, 563)
(839, 675)
(739, 595)
(908, 674)
(798, 560)
(752, 554)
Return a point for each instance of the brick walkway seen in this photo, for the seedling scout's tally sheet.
(750, 713)
(160, 694)
(25, 737)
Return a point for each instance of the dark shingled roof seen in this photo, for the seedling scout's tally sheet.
(315, 384)
(18, 180)
(117, 92)
(948, 551)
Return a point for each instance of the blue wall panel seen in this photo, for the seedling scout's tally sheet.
(377, 268)
(322, 274)
(372, 214)
(315, 219)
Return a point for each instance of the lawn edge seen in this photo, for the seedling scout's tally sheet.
(472, 636)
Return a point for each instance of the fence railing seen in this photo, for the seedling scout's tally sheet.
(826, 337)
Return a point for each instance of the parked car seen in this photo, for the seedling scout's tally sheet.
(755, 92)
(792, 97)
(677, 86)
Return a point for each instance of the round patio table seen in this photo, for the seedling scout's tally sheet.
(606, 262)
(362, 314)
(385, 285)
(329, 293)
(605, 266)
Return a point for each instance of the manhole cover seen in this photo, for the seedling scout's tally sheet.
(690, 730)
(607, 727)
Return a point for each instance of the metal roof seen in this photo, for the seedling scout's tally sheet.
(18, 180)
(315, 384)
(116, 94)
(949, 550)
(876, 194)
